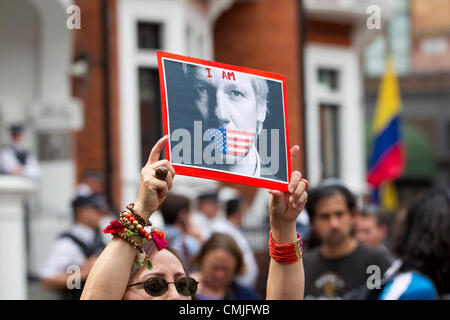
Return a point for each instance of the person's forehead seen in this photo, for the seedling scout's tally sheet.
(220, 256)
(165, 262)
(370, 219)
(364, 223)
(335, 201)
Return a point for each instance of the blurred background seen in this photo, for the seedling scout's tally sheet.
(80, 80)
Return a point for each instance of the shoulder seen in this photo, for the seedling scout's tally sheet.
(373, 256)
(65, 243)
(192, 244)
(312, 253)
(409, 286)
(171, 232)
(245, 293)
(5, 146)
(63, 253)
(6, 150)
(224, 226)
(311, 257)
(198, 217)
(220, 224)
(367, 251)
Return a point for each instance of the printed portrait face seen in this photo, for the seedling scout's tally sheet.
(234, 102)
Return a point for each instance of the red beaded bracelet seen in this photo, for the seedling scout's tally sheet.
(286, 253)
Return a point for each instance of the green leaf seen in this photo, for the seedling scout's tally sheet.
(131, 233)
(149, 264)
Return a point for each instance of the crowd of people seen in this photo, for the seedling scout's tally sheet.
(350, 252)
(218, 261)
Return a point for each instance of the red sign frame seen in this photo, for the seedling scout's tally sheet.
(211, 173)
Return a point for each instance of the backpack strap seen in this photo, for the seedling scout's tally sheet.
(87, 251)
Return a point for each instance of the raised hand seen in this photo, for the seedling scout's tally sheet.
(284, 207)
(153, 191)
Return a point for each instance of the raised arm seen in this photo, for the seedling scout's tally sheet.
(109, 276)
(286, 281)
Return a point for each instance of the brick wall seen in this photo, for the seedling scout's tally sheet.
(265, 35)
(431, 16)
(328, 32)
(430, 22)
(91, 149)
(434, 62)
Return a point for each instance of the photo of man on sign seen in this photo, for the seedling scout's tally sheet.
(225, 120)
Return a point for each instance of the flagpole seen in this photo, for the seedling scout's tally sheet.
(387, 41)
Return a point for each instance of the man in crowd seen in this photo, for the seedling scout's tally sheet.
(340, 263)
(93, 182)
(182, 235)
(76, 250)
(372, 228)
(207, 210)
(15, 160)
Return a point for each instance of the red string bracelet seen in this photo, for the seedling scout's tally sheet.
(286, 253)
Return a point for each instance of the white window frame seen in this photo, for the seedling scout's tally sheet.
(129, 12)
(174, 16)
(351, 116)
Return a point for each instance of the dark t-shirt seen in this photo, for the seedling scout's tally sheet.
(332, 278)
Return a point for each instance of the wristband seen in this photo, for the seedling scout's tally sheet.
(286, 253)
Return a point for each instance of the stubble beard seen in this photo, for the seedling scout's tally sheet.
(335, 238)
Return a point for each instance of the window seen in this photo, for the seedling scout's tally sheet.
(150, 110)
(328, 79)
(54, 146)
(329, 140)
(149, 35)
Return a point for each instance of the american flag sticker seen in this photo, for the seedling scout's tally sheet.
(231, 142)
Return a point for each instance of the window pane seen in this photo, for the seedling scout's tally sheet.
(328, 79)
(54, 146)
(149, 35)
(329, 136)
(150, 108)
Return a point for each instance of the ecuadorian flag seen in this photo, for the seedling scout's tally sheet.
(387, 161)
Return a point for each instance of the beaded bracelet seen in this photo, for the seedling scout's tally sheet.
(141, 258)
(128, 221)
(128, 227)
(287, 253)
(135, 243)
(138, 217)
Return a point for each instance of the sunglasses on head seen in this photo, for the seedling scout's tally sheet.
(157, 286)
